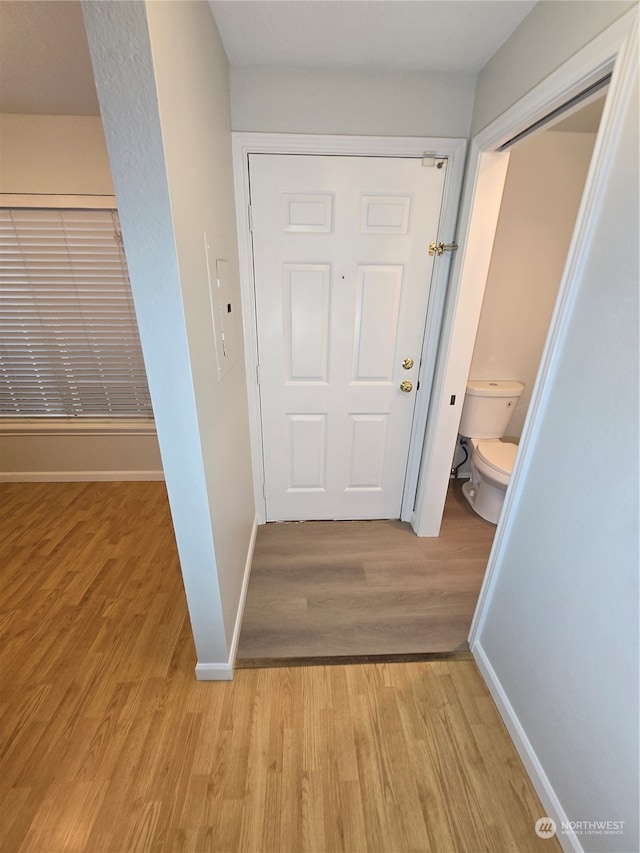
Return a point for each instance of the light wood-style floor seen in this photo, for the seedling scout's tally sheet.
(109, 745)
(357, 588)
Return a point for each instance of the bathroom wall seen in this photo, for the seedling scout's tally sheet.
(542, 194)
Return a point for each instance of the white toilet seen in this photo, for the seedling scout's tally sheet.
(488, 407)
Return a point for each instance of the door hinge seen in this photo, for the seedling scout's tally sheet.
(430, 159)
(441, 248)
(250, 219)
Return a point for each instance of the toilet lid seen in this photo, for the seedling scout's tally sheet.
(499, 455)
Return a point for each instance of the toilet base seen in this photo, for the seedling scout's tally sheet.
(484, 498)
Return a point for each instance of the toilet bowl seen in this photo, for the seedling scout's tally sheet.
(487, 410)
(492, 463)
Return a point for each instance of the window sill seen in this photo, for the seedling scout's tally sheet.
(75, 426)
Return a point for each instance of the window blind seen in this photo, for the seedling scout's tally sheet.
(69, 343)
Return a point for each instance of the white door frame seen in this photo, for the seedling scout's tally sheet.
(245, 144)
(616, 51)
(480, 206)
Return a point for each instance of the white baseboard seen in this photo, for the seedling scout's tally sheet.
(535, 770)
(224, 671)
(243, 593)
(78, 476)
(214, 671)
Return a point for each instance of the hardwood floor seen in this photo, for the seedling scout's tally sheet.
(109, 745)
(364, 587)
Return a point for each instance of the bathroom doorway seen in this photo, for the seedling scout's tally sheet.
(544, 185)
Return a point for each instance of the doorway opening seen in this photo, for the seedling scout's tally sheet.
(543, 189)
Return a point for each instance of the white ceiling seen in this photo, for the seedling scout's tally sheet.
(45, 66)
(416, 35)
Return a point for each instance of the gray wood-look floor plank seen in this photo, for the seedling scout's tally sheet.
(327, 588)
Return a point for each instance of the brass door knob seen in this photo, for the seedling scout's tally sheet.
(407, 363)
(406, 386)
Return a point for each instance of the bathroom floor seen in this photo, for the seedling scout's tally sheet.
(361, 588)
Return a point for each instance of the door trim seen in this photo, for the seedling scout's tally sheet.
(245, 144)
(614, 50)
(468, 275)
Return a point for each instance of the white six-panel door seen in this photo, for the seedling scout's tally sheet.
(342, 275)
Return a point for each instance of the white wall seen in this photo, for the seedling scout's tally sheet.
(63, 155)
(544, 185)
(66, 155)
(39, 451)
(548, 36)
(560, 628)
(162, 80)
(192, 78)
(308, 100)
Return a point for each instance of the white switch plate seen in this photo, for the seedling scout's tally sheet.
(223, 312)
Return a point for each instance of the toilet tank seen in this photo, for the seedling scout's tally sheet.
(488, 406)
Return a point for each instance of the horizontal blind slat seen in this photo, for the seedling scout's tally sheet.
(70, 343)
